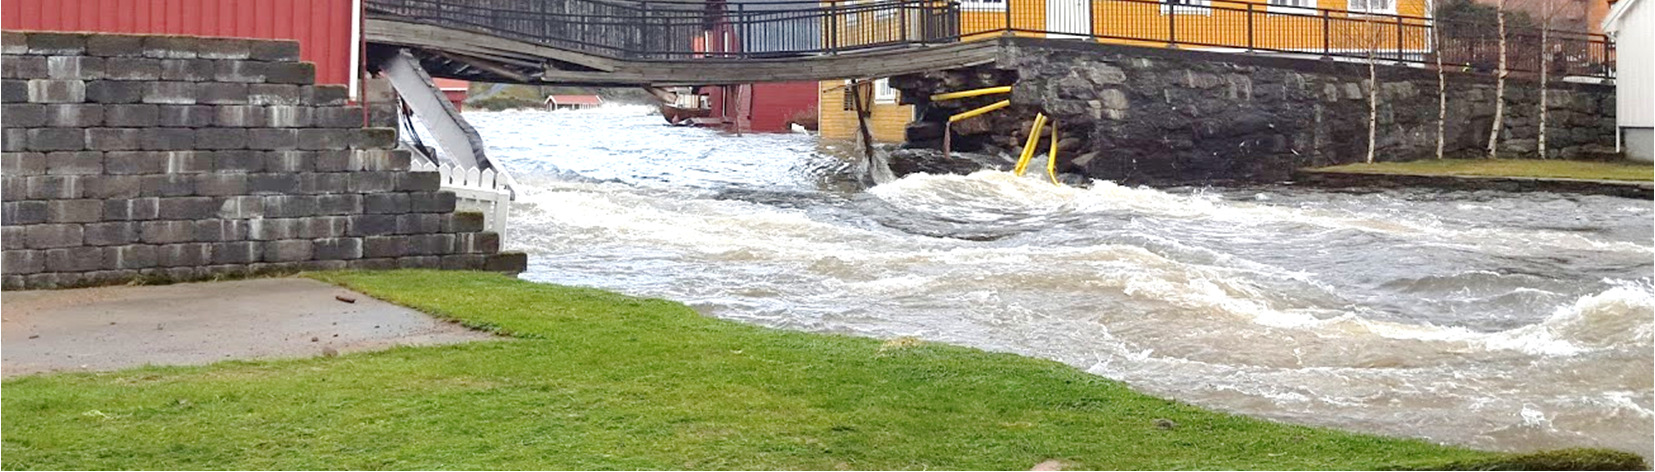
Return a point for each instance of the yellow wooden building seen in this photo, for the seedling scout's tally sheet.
(1396, 27)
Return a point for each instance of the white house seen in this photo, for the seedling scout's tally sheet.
(1632, 24)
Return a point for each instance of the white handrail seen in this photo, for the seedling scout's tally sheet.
(479, 187)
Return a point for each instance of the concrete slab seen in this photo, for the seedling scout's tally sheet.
(108, 328)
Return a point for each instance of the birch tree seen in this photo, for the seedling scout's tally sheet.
(1373, 85)
(1499, 84)
(1442, 82)
(1548, 12)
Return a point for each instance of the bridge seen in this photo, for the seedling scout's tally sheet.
(680, 42)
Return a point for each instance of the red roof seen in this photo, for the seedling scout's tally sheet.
(574, 100)
(451, 84)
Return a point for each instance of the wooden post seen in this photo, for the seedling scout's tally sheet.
(947, 139)
(862, 113)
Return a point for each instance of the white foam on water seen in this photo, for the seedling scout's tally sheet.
(1183, 315)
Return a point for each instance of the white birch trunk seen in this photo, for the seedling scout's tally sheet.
(1499, 87)
(1442, 87)
(1545, 75)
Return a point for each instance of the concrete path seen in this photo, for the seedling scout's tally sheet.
(109, 328)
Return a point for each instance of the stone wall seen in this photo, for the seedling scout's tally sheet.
(177, 158)
(1140, 114)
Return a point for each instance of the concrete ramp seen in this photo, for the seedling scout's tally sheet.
(108, 328)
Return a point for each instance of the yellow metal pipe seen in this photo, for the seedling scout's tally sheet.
(979, 111)
(1051, 156)
(971, 93)
(1028, 146)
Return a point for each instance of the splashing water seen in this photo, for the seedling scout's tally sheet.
(1503, 321)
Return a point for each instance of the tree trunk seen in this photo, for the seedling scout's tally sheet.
(1373, 104)
(1499, 87)
(1442, 87)
(1373, 87)
(1545, 73)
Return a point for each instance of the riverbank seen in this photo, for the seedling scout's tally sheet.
(1622, 179)
(599, 380)
(1516, 168)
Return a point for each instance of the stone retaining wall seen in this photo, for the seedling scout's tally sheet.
(1157, 115)
(179, 158)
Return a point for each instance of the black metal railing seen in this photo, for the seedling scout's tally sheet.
(714, 30)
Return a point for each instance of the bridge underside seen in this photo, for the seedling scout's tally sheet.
(459, 54)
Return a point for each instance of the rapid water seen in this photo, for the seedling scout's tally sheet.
(1496, 320)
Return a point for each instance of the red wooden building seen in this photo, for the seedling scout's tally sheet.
(328, 31)
(764, 107)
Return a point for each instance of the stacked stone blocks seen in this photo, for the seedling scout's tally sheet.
(178, 158)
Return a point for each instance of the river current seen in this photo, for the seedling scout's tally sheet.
(1495, 320)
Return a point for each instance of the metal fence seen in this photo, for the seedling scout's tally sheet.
(711, 30)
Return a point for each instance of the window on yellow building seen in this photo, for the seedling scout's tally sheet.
(982, 4)
(1372, 6)
(1301, 7)
(882, 91)
(1186, 7)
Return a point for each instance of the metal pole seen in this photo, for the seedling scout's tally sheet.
(1399, 48)
(746, 29)
(833, 27)
(1172, 25)
(1327, 34)
(1008, 17)
(902, 16)
(1249, 27)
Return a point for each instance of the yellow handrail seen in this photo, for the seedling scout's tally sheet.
(971, 93)
(979, 111)
(1051, 156)
(1028, 147)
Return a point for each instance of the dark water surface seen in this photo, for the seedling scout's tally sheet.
(1497, 320)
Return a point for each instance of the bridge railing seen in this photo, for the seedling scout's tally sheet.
(715, 30)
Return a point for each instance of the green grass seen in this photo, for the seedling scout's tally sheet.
(1558, 169)
(603, 381)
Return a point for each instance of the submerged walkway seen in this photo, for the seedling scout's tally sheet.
(110, 328)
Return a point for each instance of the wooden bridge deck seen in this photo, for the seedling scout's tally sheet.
(461, 54)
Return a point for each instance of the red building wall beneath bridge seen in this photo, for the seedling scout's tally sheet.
(762, 108)
(324, 28)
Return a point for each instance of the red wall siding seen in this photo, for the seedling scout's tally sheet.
(322, 27)
(774, 103)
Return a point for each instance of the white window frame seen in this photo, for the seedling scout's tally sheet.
(1298, 7)
(1187, 7)
(983, 5)
(882, 91)
(1365, 6)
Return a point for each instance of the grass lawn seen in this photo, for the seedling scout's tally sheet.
(1507, 168)
(596, 380)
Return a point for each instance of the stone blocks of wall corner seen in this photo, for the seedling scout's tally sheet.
(115, 91)
(132, 159)
(56, 44)
(131, 68)
(56, 91)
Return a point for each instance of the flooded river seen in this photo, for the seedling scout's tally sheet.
(1496, 320)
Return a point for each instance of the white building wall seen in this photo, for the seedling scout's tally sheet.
(1635, 79)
